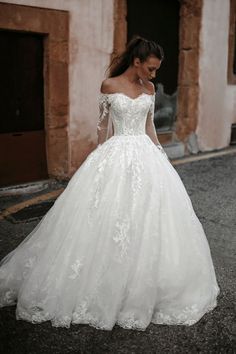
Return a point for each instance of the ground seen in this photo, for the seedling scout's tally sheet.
(211, 185)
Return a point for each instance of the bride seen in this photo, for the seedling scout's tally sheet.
(122, 244)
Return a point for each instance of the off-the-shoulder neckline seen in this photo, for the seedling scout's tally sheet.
(121, 93)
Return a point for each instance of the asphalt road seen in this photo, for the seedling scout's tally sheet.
(211, 184)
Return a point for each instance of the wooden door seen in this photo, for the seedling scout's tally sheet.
(22, 135)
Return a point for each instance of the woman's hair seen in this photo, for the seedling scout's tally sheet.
(138, 47)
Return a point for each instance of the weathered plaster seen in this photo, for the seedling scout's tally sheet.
(217, 109)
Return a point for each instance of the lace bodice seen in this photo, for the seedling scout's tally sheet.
(128, 115)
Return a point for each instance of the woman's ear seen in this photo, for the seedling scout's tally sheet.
(137, 62)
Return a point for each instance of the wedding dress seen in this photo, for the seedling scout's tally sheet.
(122, 244)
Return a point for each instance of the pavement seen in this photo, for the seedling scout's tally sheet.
(211, 185)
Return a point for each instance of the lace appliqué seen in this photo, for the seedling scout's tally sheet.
(8, 298)
(188, 316)
(103, 109)
(28, 265)
(103, 129)
(131, 168)
(76, 268)
(122, 235)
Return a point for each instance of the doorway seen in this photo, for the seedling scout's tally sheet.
(159, 21)
(22, 133)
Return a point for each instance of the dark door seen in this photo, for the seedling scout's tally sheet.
(159, 20)
(22, 135)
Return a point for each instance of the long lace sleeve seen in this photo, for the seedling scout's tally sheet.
(150, 127)
(103, 119)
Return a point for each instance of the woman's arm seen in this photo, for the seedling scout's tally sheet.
(104, 131)
(151, 130)
(150, 127)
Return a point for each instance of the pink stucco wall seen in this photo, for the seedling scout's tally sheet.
(217, 104)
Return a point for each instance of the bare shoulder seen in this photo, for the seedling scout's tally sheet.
(150, 87)
(108, 85)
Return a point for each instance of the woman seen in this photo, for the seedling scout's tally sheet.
(122, 244)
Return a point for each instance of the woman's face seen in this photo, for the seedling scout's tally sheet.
(147, 70)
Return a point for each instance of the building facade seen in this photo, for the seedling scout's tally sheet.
(76, 39)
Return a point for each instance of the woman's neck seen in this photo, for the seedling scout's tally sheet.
(131, 76)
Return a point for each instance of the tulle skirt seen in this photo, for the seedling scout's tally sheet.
(121, 245)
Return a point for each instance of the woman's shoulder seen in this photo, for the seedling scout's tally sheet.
(150, 87)
(108, 85)
(112, 85)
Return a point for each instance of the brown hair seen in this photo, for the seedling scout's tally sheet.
(138, 47)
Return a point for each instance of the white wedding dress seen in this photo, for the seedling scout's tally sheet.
(121, 245)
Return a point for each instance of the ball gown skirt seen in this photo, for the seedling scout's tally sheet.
(121, 245)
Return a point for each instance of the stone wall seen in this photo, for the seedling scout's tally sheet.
(90, 46)
(188, 76)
